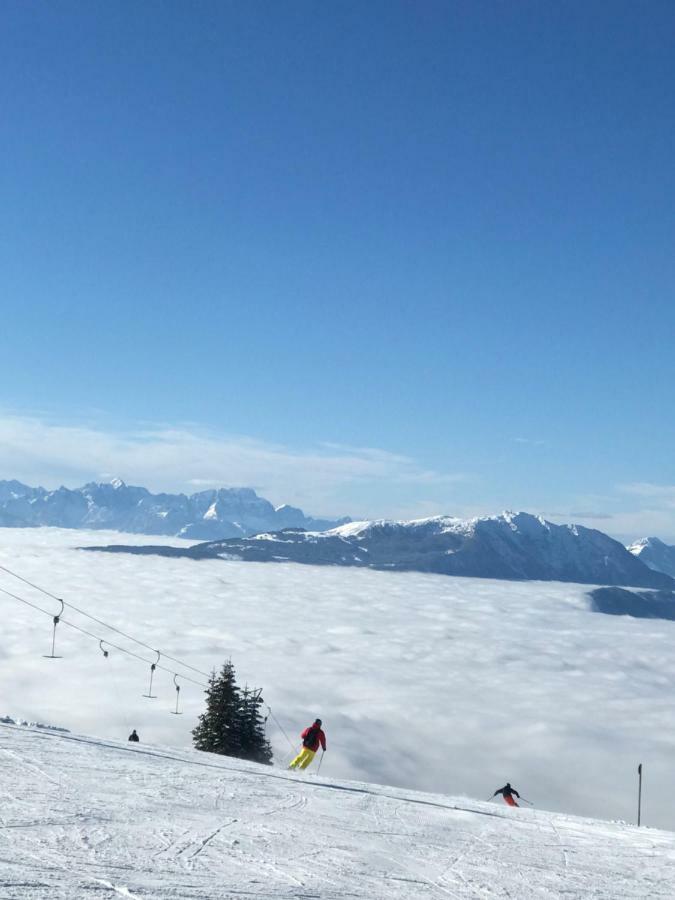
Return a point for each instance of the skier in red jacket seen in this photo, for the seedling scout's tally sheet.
(312, 737)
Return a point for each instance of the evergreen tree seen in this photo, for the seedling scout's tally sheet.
(232, 723)
(219, 727)
(254, 744)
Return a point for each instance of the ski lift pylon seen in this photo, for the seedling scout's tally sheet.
(56, 620)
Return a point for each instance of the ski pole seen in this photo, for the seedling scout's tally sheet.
(318, 769)
(529, 802)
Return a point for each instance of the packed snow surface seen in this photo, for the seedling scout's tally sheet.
(87, 818)
(449, 685)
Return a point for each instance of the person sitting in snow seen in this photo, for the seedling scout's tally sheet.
(134, 737)
(507, 793)
(312, 737)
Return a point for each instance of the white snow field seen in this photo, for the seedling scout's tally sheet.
(448, 685)
(85, 818)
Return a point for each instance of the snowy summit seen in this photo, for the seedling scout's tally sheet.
(206, 515)
(507, 546)
(656, 554)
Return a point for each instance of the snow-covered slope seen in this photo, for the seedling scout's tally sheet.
(512, 545)
(207, 515)
(427, 682)
(655, 554)
(86, 818)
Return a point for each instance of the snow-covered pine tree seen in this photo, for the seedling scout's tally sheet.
(254, 744)
(219, 727)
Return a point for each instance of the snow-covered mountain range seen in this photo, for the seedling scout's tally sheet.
(237, 523)
(655, 554)
(507, 546)
(206, 515)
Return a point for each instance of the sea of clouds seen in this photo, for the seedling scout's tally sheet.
(423, 681)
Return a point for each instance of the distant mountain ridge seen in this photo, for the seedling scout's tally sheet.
(515, 546)
(655, 554)
(206, 515)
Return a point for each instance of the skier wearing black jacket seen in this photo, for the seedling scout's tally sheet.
(507, 793)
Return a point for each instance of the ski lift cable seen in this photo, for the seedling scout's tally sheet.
(27, 602)
(98, 639)
(131, 653)
(278, 724)
(101, 622)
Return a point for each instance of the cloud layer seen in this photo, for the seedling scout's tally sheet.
(327, 478)
(424, 681)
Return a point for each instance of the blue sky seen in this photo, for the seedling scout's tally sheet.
(376, 258)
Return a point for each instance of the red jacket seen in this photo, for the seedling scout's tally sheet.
(319, 738)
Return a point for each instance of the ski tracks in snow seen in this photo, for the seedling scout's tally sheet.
(186, 848)
(151, 827)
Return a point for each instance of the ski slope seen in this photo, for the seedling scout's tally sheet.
(88, 818)
(446, 685)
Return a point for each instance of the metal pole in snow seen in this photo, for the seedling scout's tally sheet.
(639, 792)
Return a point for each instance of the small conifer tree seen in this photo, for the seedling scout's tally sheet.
(218, 728)
(232, 723)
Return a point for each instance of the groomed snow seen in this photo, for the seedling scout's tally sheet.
(83, 818)
(427, 682)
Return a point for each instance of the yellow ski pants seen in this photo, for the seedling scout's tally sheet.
(303, 759)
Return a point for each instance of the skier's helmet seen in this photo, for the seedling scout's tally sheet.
(317, 722)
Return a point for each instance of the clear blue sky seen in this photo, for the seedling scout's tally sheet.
(444, 230)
